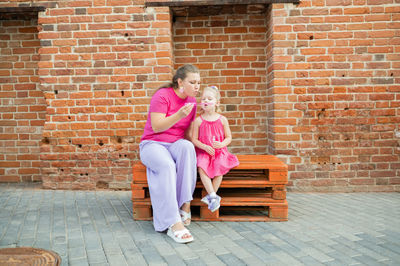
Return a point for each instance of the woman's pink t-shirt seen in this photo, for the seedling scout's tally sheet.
(167, 102)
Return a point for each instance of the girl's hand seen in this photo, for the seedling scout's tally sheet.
(186, 109)
(209, 150)
(217, 145)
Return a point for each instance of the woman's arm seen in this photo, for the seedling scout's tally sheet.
(161, 122)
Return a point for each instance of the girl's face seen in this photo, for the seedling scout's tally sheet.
(208, 100)
(190, 85)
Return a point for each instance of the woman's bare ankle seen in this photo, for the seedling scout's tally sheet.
(186, 207)
(178, 226)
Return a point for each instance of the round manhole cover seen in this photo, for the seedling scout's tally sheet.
(22, 256)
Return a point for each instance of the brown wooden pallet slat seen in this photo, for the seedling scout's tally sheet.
(226, 201)
(140, 178)
(276, 212)
(256, 182)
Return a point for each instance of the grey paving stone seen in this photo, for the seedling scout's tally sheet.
(308, 260)
(367, 260)
(76, 242)
(78, 262)
(60, 249)
(116, 259)
(112, 248)
(254, 261)
(197, 245)
(164, 248)
(389, 250)
(59, 239)
(230, 259)
(8, 241)
(185, 251)
(269, 247)
(254, 249)
(240, 252)
(93, 243)
(76, 253)
(341, 259)
(175, 260)
(227, 230)
(25, 242)
(316, 254)
(207, 257)
(285, 258)
(345, 251)
(134, 257)
(149, 253)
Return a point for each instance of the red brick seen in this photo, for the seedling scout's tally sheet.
(229, 30)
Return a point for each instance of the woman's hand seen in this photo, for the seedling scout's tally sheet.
(160, 122)
(186, 110)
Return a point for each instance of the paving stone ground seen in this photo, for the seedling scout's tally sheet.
(96, 228)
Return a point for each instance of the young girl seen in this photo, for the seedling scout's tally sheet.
(211, 136)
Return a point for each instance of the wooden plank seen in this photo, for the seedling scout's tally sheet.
(142, 212)
(226, 182)
(275, 213)
(276, 169)
(226, 201)
(257, 161)
(246, 161)
(248, 218)
(138, 194)
(275, 176)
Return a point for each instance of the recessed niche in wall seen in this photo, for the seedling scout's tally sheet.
(22, 104)
(228, 43)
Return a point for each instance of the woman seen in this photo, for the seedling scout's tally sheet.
(169, 157)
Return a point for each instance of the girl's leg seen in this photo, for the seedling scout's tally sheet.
(212, 199)
(206, 181)
(161, 177)
(216, 182)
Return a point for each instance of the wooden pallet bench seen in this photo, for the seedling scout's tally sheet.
(255, 190)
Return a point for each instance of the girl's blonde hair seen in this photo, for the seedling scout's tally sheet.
(217, 94)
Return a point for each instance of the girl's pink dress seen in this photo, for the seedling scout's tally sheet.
(222, 161)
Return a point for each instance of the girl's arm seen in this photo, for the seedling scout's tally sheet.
(228, 135)
(195, 138)
(160, 122)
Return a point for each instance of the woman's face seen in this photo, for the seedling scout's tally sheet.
(191, 84)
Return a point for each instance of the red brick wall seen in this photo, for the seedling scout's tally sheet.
(22, 105)
(315, 84)
(336, 94)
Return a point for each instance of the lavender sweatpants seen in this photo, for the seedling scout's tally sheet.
(171, 175)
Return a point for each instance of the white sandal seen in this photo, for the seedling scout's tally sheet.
(185, 216)
(177, 236)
